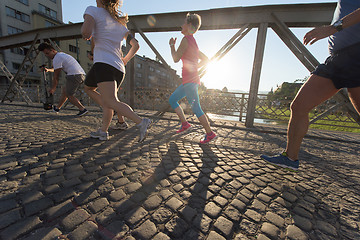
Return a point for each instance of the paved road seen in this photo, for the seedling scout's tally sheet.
(57, 183)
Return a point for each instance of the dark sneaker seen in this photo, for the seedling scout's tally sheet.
(283, 161)
(120, 126)
(143, 126)
(55, 109)
(103, 136)
(208, 138)
(184, 127)
(83, 112)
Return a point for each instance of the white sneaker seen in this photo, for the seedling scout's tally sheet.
(143, 126)
(103, 136)
(120, 126)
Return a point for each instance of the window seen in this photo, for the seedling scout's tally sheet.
(139, 75)
(73, 49)
(26, 2)
(16, 66)
(151, 69)
(20, 51)
(47, 11)
(14, 30)
(49, 24)
(17, 14)
(139, 65)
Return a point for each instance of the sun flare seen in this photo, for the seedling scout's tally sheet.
(219, 74)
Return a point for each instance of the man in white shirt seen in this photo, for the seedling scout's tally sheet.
(75, 76)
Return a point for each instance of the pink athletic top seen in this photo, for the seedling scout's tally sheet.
(190, 60)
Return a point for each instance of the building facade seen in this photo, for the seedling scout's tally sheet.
(152, 74)
(23, 15)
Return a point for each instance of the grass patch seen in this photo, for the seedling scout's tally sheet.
(331, 122)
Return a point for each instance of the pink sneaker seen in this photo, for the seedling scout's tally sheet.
(184, 127)
(208, 138)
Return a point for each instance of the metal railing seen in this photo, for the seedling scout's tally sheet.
(231, 105)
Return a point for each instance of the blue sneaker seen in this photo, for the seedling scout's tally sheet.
(282, 160)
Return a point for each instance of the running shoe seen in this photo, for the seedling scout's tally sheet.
(55, 109)
(208, 138)
(282, 160)
(184, 127)
(103, 136)
(120, 126)
(83, 112)
(143, 126)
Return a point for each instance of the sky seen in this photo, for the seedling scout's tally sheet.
(234, 69)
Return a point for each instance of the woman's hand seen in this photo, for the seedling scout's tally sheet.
(124, 61)
(172, 41)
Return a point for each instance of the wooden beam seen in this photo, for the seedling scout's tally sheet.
(158, 55)
(255, 78)
(294, 15)
(294, 44)
(132, 77)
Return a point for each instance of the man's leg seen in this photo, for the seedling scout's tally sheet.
(76, 103)
(73, 83)
(315, 91)
(63, 98)
(354, 95)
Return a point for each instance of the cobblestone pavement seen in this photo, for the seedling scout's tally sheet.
(57, 183)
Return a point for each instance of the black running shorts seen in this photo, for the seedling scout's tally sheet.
(342, 67)
(102, 72)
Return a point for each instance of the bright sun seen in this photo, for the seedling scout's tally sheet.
(219, 74)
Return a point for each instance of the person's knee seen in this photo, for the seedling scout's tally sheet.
(196, 108)
(69, 94)
(354, 95)
(173, 103)
(298, 108)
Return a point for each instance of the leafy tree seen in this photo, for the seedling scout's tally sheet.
(287, 91)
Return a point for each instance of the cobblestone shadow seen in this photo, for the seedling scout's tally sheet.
(57, 183)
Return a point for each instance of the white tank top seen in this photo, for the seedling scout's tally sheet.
(107, 36)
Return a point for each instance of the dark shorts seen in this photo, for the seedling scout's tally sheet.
(73, 82)
(342, 67)
(102, 72)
